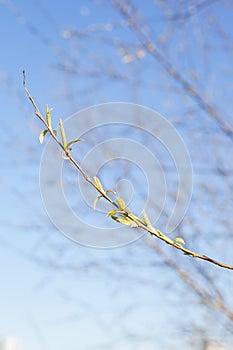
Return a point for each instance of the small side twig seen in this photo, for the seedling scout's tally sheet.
(126, 216)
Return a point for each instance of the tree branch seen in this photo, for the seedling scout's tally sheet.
(128, 11)
(122, 214)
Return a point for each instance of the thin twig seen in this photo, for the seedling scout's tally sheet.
(207, 297)
(128, 214)
(66, 152)
(128, 11)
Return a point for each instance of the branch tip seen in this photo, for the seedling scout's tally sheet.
(24, 78)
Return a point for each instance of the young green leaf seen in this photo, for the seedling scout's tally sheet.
(72, 142)
(63, 135)
(121, 203)
(96, 200)
(124, 221)
(146, 220)
(48, 116)
(113, 212)
(179, 240)
(42, 135)
(98, 183)
(110, 191)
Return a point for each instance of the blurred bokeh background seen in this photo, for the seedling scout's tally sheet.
(172, 56)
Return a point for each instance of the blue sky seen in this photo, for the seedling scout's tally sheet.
(55, 293)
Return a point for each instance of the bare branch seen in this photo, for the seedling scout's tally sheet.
(128, 11)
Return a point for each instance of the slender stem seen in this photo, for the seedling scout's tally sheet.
(67, 153)
(128, 10)
(153, 231)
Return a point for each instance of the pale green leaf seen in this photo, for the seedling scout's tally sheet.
(42, 135)
(96, 200)
(72, 142)
(179, 240)
(48, 116)
(113, 212)
(121, 203)
(146, 220)
(124, 221)
(63, 135)
(110, 191)
(98, 184)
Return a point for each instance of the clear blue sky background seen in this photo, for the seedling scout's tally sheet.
(55, 294)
